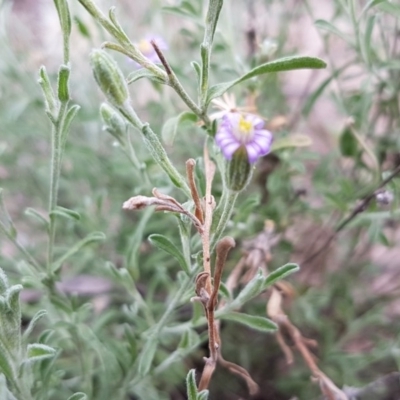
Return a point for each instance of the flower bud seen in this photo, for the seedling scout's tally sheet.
(239, 170)
(113, 122)
(109, 77)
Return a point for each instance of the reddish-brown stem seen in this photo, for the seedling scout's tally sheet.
(190, 164)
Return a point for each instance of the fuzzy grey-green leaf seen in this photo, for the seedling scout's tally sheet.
(191, 387)
(262, 324)
(165, 244)
(280, 273)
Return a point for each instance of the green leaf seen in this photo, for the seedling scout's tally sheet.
(91, 238)
(47, 90)
(83, 29)
(165, 244)
(295, 140)
(147, 355)
(191, 387)
(203, 395)
(142, 73)
(282, 64)
(185, 9)
(65, 213)
(33, 322)
(6, 364)
(132, 262)
(367, 42)
(64, 16)
(38, 352)
(31, 212)
(224, 291)
(280, 273)
(262, 324)
(78, 396)
(348, 144)
(309, 104)
(171, 126)
(197, 68)
(370, 4)
(251, 290)
(63, 82)
(327, 26)
(68, 120)
(390, 8)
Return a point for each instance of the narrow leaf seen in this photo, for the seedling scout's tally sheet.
(327, 26)
(38, 352)
(142, 73)
(63, 83)
(191, 386)
(251, 290)
(370, 4)
(65, 213)
(33, 322)
(390, 8)
(31, 212)
(147, 355)
(165, 244)
(295, 140)
(282, 64)
(78, 396)
(91, 238)
(262, 324)
(171, 126)
(280, 273)
(68, 119)
(203, 395)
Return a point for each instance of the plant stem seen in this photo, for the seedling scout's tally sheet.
(227, 205)
(56, 156)
(155, 147)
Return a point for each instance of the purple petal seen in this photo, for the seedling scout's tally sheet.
(230, 149)
(257, 122)
(263, 139)
(253, 152)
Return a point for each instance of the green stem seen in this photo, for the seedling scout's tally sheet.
(56, 156)
(227, 205)
(214, 9)
(117, 32)
(134, 160)
(156, 149)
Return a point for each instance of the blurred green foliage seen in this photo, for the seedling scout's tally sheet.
(101, 328)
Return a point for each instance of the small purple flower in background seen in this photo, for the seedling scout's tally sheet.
(246, 130)
(147, 49)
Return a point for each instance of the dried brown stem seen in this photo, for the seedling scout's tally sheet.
(190, 164)
(163, 202)
(208, 211)
(222, 250)
(275, 312)
(162, 58)
(240, 371)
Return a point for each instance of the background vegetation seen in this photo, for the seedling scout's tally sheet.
(342, 129)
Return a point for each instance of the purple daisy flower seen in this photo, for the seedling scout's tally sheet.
(246, 130)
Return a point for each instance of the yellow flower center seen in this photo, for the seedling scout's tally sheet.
(245, 127)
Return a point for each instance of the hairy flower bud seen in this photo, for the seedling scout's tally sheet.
(109, 78)
(113, 122)
(239, 170)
